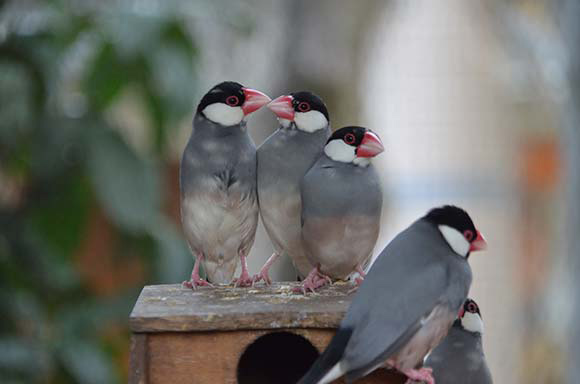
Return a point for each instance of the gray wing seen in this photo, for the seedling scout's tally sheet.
(411, 277)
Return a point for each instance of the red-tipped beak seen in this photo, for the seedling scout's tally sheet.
(254, 100)
(370, 145)
(461, 312)
(479, 244)
(282, 107)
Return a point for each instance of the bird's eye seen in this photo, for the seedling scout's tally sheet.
(468, 235)
(349, 138)
(232, 101)
(471, 307)
(303, 106)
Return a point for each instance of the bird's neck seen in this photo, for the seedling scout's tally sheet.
(203, 127)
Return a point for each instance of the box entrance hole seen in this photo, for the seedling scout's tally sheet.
(276, 358)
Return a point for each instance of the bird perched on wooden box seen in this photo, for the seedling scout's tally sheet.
(407, 302)
(341, 206)
(283, 159)
(219, 207)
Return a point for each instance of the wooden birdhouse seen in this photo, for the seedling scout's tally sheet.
(232, 335)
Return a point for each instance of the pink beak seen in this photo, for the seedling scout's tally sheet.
(479, 244)
(461, 312)
(282, 107)
(370, 145)
(254, 100)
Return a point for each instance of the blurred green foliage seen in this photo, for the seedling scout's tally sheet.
(64, 66)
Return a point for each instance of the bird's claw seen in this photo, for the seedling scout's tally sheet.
(262, 275)
(245, 280)
(423, 374)
(312, 282)
(195, 283)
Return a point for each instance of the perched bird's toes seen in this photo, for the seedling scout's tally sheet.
(195, 283)
(245, 280)
(263, 275)
(421, 375)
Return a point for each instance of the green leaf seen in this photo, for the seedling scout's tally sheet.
(67, 203)
(106, 77)
(127, 187)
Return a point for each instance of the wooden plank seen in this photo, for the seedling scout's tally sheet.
(163, 308)
(138, 359)
(212, 357)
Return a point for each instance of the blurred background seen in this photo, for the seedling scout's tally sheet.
(477, 103)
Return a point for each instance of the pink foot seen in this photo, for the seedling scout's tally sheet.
(313, 281)
(421, 374)
(263, 275)
(245, 280)
(194, 283)
(195, 280)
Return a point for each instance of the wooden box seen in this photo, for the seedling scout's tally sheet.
(234, 335)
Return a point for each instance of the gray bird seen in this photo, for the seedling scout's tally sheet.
(341, 207)
(219, 208)
(407, 302)
(459, 358)
(283, 159)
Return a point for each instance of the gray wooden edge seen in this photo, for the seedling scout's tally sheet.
(172, 308)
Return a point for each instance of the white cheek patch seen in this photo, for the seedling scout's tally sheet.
(224, 114)
(310, 121)
(338, 150)
(472, 322)
(455, 240)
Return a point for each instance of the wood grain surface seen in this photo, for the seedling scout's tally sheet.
(167, 308)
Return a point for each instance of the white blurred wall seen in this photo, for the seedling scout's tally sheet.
(432, 92)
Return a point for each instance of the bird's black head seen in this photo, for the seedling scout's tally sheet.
(469, 317)
(229, 102)
(227, 92)
(305, 101)
(352, 144)
(453, 217)
(306, 110)
(457, 228)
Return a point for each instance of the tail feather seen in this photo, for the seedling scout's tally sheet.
(329, 358)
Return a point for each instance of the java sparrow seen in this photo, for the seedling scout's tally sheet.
(407, 302)
(219, 207)
(459, 358)
(283, 159)
(341, 206)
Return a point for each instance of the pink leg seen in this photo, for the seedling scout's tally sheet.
(421, 374)
(195, 280)
(313, 281)
(263, 275)
(245, 280)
